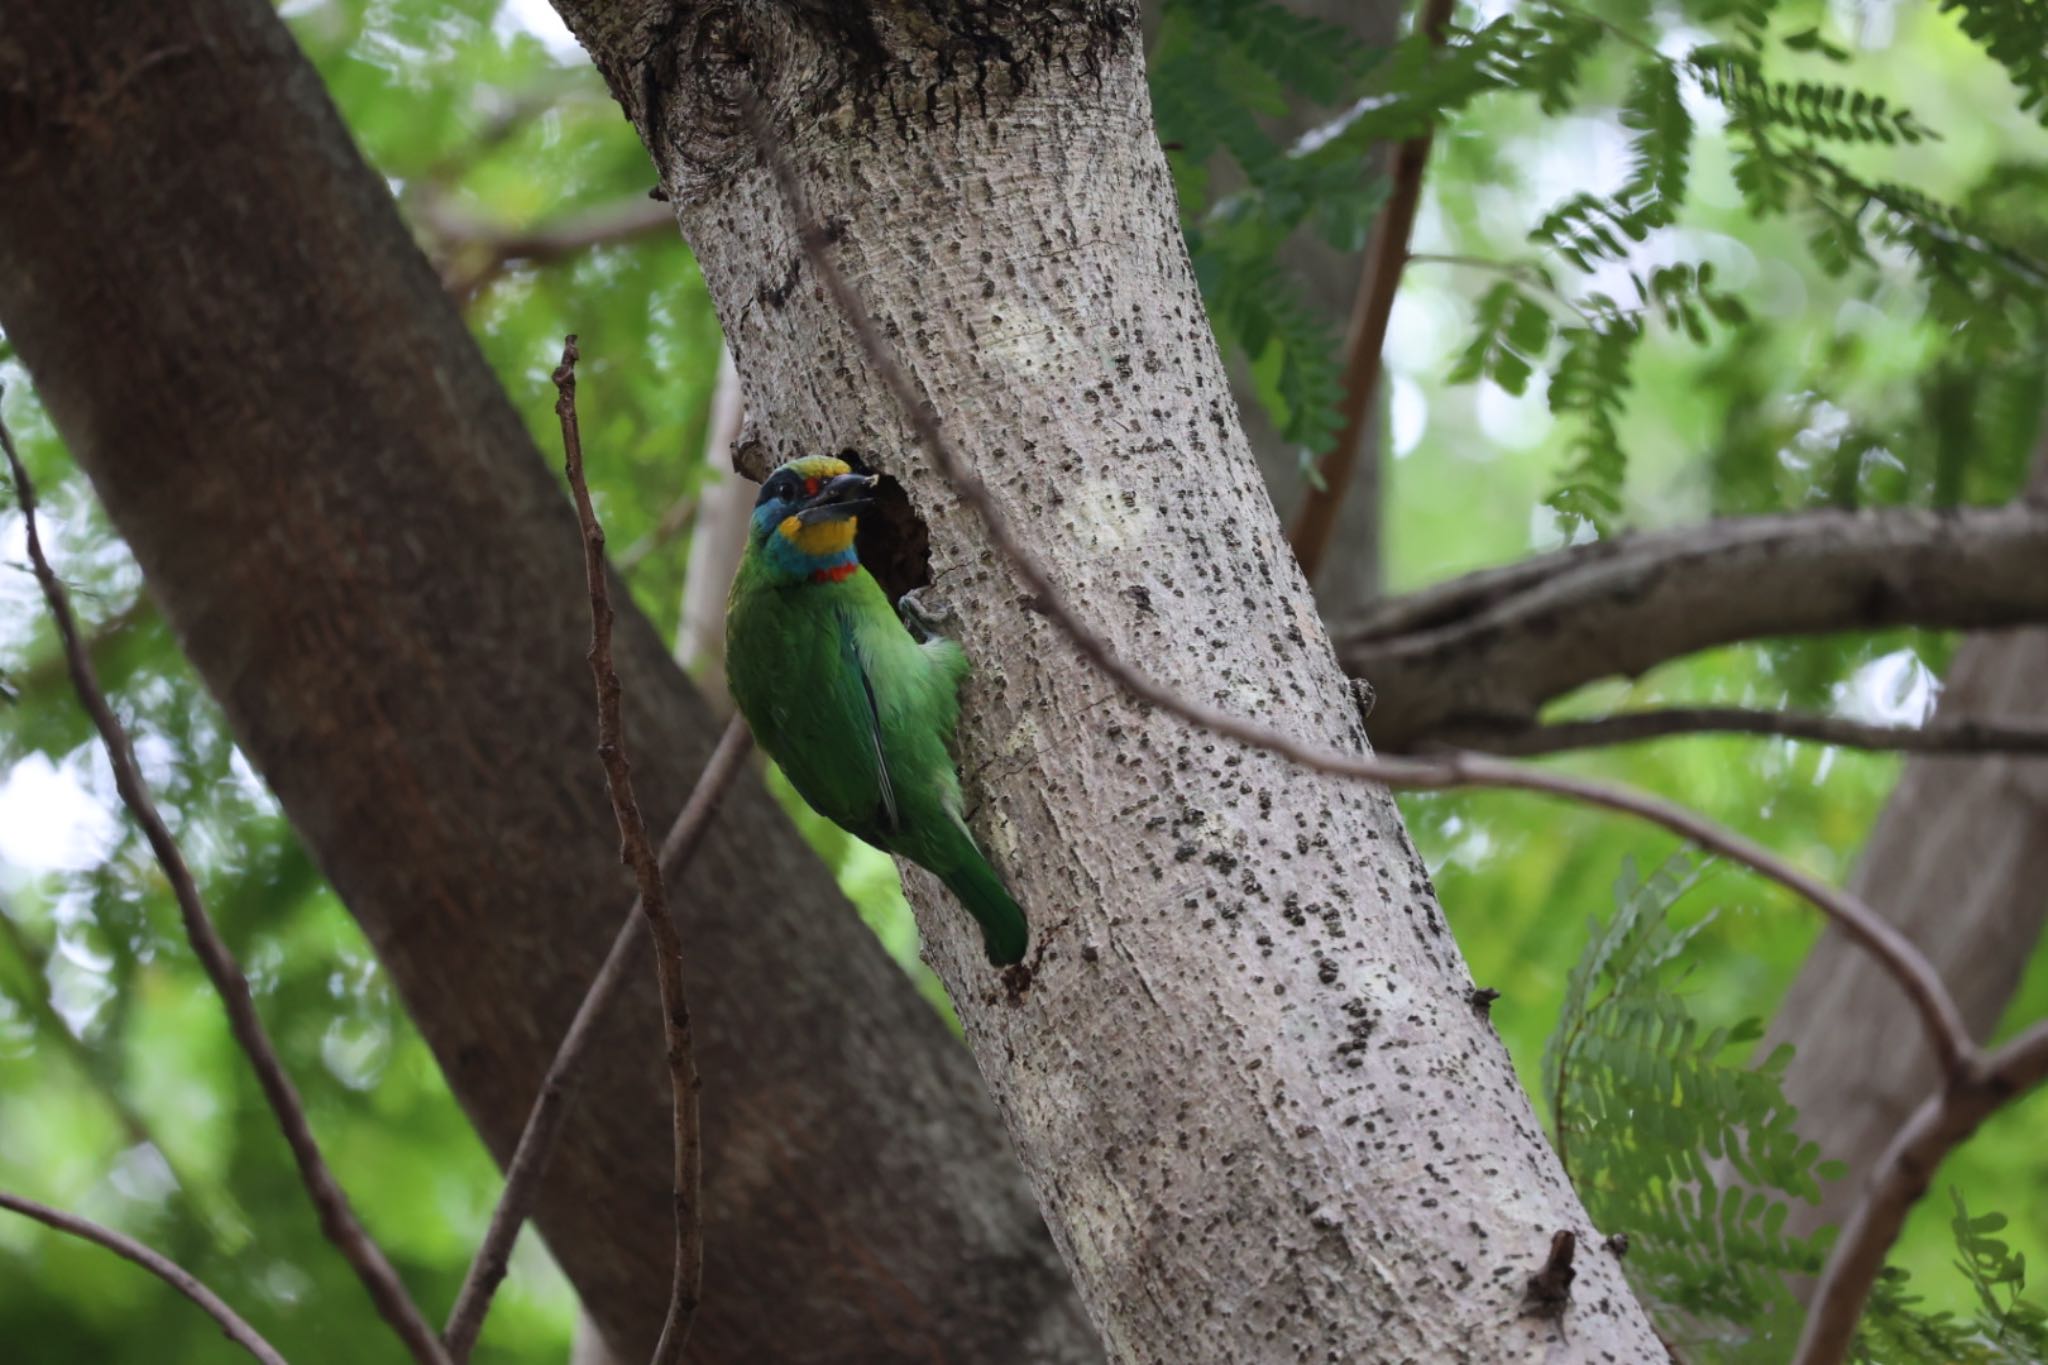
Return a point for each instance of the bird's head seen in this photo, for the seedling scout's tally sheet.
(804, 519)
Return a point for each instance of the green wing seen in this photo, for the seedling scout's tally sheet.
(891, 817)
(794, 671)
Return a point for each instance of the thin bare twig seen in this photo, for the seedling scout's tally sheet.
(1905, 963)
(1385, 257)
(232, 1325)
(1941, 735)
(551, 1107)
(1949, 1116)
(213, 1205)
(477, 251)
(637, 851)
(670, 525)
(39, 1004)
(337, 1219)
(48, 670)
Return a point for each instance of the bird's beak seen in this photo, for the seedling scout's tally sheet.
(839, 499)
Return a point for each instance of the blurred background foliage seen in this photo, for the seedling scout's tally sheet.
(1832, 380)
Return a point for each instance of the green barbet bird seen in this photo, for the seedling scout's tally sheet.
(858, 712)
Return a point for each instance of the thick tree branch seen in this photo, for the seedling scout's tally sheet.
(1899, 956)
(232, 1325)
(558, 1088)
(637, 851)
(1901, 1177)
(1492, 647)
(337, 1219)
(1385, 258)
(1960, 736)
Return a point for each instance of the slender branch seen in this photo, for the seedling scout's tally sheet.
(638, 852)
(673, 519)
(478, 251)
(1905, 963)
(1530, 276)
(337, 1219)
(1385, 257)
(1940, 736)
(48, 670)
(38, 1002)
(513, 113)
(1901, 1177)
(551, 1107)
(214, 1206)
(232, 1324)
(1493, 647)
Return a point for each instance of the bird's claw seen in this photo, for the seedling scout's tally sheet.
(927, 618)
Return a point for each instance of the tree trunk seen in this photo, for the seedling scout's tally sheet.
(372, 568)
(1957, 860)
(1245, 1077)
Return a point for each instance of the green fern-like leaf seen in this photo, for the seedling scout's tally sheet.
(1751, 17)
(1317, 59)
(1559, 43)
(1292, 350)
(2015, 33)
(1735, 76)
(2006, 1329)
(1660, 152)
(1591, 383)
(1204, 100)
(1587, 228)
(1220, 71)
(1647, 1106)
(1513, 333)
(1999, 1276)
(1423, 84)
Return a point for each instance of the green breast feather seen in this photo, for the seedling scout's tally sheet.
(857, 712)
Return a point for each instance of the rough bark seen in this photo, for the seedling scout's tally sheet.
(1245, 1077)
(1957, 860)
(371, 566)
(1489, 649)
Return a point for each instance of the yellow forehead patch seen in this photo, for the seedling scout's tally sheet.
(818, 467)
(825, 538)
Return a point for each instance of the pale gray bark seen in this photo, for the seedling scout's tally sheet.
(1489, 649)
(1958, 860)
(1245, 1079)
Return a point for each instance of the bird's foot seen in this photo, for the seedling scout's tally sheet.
(927, 617)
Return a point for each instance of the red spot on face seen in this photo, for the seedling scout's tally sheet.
(811, 487)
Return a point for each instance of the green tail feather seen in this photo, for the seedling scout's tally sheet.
(1004, 932)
